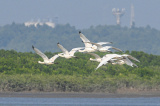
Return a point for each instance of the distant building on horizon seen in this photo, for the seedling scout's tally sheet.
(41, 23)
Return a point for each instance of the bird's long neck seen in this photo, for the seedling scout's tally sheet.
(61, 54)
(40, 62)
(81, 50)
(98, 60)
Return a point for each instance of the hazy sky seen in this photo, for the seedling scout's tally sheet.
(80, 13)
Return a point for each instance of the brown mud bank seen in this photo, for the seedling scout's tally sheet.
(119, 94)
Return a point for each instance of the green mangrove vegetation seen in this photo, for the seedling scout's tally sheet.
(20, 71)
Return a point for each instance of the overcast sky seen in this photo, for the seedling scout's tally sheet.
(80, 13)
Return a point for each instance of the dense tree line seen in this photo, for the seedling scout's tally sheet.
(21, 38)
(20, 71)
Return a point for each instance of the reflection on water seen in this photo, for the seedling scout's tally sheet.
(80, 101)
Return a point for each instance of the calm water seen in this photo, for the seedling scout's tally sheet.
(80, 101)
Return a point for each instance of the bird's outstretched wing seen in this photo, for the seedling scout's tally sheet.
(65, 51)
(131, 57)
(98, 45)
(105, 61)
(87, 45)
(54, 58)
(128, 62)
(135, 64)
(103, 43)
(40, 53)
(85, 40)
(75, 50)
(117, 49)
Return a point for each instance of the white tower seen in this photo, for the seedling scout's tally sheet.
(118, 13)
(132, 22)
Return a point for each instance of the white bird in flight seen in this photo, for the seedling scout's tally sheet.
(107, 58)
(117, 59)
(125, 60)
(67, 54)
(45, 58)
(97, 57)
(105, 48)
(88, 46)
(113, 61)
(129, 56)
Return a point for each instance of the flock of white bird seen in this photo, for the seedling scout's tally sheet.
(89, 48)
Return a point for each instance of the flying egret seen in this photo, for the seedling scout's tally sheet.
(88, 46)
(117, 59)
(97, 57)
(67, 54)
(104, 48)
(107, 58)
(124, 61)
(45, 58)
(131, 57)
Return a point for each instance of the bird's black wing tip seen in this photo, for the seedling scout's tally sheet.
(79, 32)
(58, 43)
(32, 46)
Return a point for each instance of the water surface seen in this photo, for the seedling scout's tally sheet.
(13, 101)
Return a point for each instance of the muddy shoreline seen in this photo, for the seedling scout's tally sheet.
(81, 95)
